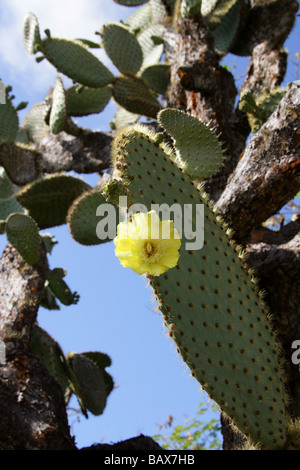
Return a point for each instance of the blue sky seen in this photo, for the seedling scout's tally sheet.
(116, 313)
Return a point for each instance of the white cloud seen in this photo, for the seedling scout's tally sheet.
(65, 18)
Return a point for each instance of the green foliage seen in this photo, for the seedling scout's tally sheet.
(130, 3)
(83, 101)
(23, 233)
(134, 95)
(197, 433)
(210, 301)
(75, 61)
(198, 150)
(31, 33)
(190, 7)
(210, 291)
(9, 121)
(34, 124)
(89, 380)
(58, 108)
(122, 48)
(157, 77)
(139, 19)
(82, 218)
(43, 346)
(215, 11)
(48, 199)
(227, 30)
(59, 288)
(83, 374)
(258, 110)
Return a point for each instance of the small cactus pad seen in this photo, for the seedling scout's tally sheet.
(75, 61)
(82, 101)
(23, 233)
(48, 199)
(59, 288)
(6, 186)
(31, 33)
(122, 48)
(130, 3)
(157, 77)
(133, 94)
(198, 150)
(208, 301)
(91, 384)
(9, 206)
(58, 109)
(220, 10)
(226, 32)
(207, 6)
(139, 19)
(189, 7)
(48, 351)
(83, 220)
(9, 122)
(34, 123)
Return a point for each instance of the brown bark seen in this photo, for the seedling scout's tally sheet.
(33, 414)
(87, 152)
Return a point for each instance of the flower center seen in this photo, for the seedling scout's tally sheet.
(150, 249)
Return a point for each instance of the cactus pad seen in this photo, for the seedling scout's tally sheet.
(75, 61)
(198, 151)
(9, 122)
(48, 199)
(122, 48)
(133, 94)
(90, 384)
(58, 109)
(23, 233)
(82, 218)
(209, 301)
(31, 33)
(130, 3)
(82, 101)
(157, 77)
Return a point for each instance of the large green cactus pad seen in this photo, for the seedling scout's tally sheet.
(208, 301)
(75, 61)
(48, 199)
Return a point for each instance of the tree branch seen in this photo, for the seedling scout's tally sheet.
(88, 152)
(267, 176)
(32, 407)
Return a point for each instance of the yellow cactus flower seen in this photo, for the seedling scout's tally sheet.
(147, 245)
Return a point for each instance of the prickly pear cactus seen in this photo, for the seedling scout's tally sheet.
(210, 301)
(258, 110)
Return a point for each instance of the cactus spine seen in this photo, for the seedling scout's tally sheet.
(209, 301)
